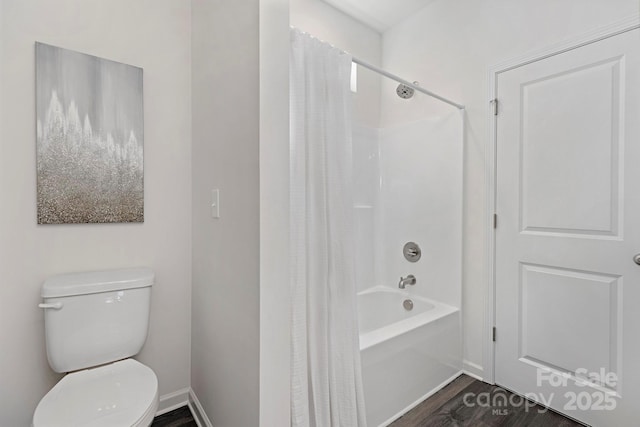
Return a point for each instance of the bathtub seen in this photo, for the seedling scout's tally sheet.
(407, 355)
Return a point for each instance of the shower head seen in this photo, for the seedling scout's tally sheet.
(404, 91)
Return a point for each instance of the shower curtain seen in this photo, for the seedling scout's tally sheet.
(326, 382)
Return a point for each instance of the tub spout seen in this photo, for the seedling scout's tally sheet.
(409, 280)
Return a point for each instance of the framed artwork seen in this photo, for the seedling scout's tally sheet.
(90, 138)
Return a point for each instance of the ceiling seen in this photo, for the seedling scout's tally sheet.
(379, 14)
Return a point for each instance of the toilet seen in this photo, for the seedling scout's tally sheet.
(94, 323)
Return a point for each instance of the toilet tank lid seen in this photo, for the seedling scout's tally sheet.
(92, 282)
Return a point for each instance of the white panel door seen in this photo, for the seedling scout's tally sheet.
(568, 206)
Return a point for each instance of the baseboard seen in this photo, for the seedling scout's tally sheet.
(473, 370)
(180, 398)
(422, 399)
(171, 401)
(198, 411)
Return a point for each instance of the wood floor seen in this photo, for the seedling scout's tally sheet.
(180, 417)
(450, 407)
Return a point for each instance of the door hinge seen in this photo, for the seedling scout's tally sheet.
(494, 102)
(493, 336)
(495, 220)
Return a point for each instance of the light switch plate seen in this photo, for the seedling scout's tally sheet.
(215, 204)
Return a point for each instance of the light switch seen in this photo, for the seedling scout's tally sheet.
(215, 203)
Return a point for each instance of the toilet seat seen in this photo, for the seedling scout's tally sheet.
(123, 393)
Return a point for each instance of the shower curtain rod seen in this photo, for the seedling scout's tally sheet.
(406, 83)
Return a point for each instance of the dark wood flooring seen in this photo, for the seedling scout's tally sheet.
(450, 407)
(180, 417)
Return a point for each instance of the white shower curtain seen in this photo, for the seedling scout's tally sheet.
(326, 383)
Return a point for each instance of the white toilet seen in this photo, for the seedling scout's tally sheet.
(94, 323)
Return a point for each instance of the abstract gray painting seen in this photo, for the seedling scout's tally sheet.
(89, 138)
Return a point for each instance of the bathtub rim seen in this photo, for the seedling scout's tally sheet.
(400, 327)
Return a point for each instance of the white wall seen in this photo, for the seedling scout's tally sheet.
(226, 269)
(449, 47)
(329, 24)
(154, 35)
(275, 302)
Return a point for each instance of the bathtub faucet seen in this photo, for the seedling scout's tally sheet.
(409, 280)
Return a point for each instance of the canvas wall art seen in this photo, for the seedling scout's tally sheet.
(90, 135)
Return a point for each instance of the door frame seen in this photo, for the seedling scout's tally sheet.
(628, 24)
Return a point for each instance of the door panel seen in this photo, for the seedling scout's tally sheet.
(570, 150)
(546, 325)
(567, 289)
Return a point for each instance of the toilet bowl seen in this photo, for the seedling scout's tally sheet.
(123, 393)
(94, 323)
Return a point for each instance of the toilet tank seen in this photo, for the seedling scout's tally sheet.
(96, 317)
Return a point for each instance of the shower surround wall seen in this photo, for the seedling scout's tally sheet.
(366, 184)
(420, 200)
(408, 188)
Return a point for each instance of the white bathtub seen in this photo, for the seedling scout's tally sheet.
(406, 355)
